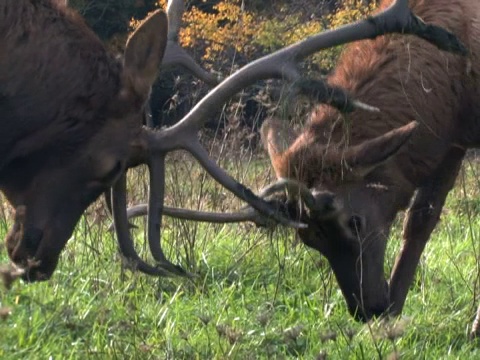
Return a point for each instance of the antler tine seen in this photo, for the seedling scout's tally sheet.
(175, 10)
(247, 214)
(155, 211)
(174, 53)
(236, 188)
(395, 19)
(119, 206)
(293, 186)
(243, 215)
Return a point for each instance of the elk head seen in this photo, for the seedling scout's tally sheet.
(347, 215)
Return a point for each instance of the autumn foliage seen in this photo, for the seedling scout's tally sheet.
(231, 33)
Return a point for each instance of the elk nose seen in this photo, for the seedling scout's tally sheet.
(377, 305)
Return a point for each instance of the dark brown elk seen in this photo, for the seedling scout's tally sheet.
(358, 171)
(71, 124)
(71, 121)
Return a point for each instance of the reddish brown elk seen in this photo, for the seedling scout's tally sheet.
(356, 175)
(71, 118)
(358, 172)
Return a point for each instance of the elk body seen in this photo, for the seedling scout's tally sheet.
(362, 169)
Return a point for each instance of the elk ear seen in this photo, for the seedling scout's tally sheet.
(144, 52)
(365, 157)
(277, 136)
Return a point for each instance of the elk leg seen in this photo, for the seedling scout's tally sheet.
(422, 216)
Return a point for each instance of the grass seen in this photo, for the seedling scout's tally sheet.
(258, 295)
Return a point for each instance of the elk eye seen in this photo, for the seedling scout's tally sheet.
(355, 223)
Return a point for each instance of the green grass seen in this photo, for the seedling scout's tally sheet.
(257, 295)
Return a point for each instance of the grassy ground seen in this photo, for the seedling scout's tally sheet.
(257, 295)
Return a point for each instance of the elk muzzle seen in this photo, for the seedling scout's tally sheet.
(22, 242)
(355, 254)
(35, 241)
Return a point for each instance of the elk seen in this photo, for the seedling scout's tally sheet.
(71, 126)
(357, 172)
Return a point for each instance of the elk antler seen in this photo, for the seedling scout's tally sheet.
(119, 205)
(293, 187)
(243, 215)
(281, 64)
(174, 53)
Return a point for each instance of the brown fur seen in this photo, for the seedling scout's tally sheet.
(86, 78)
